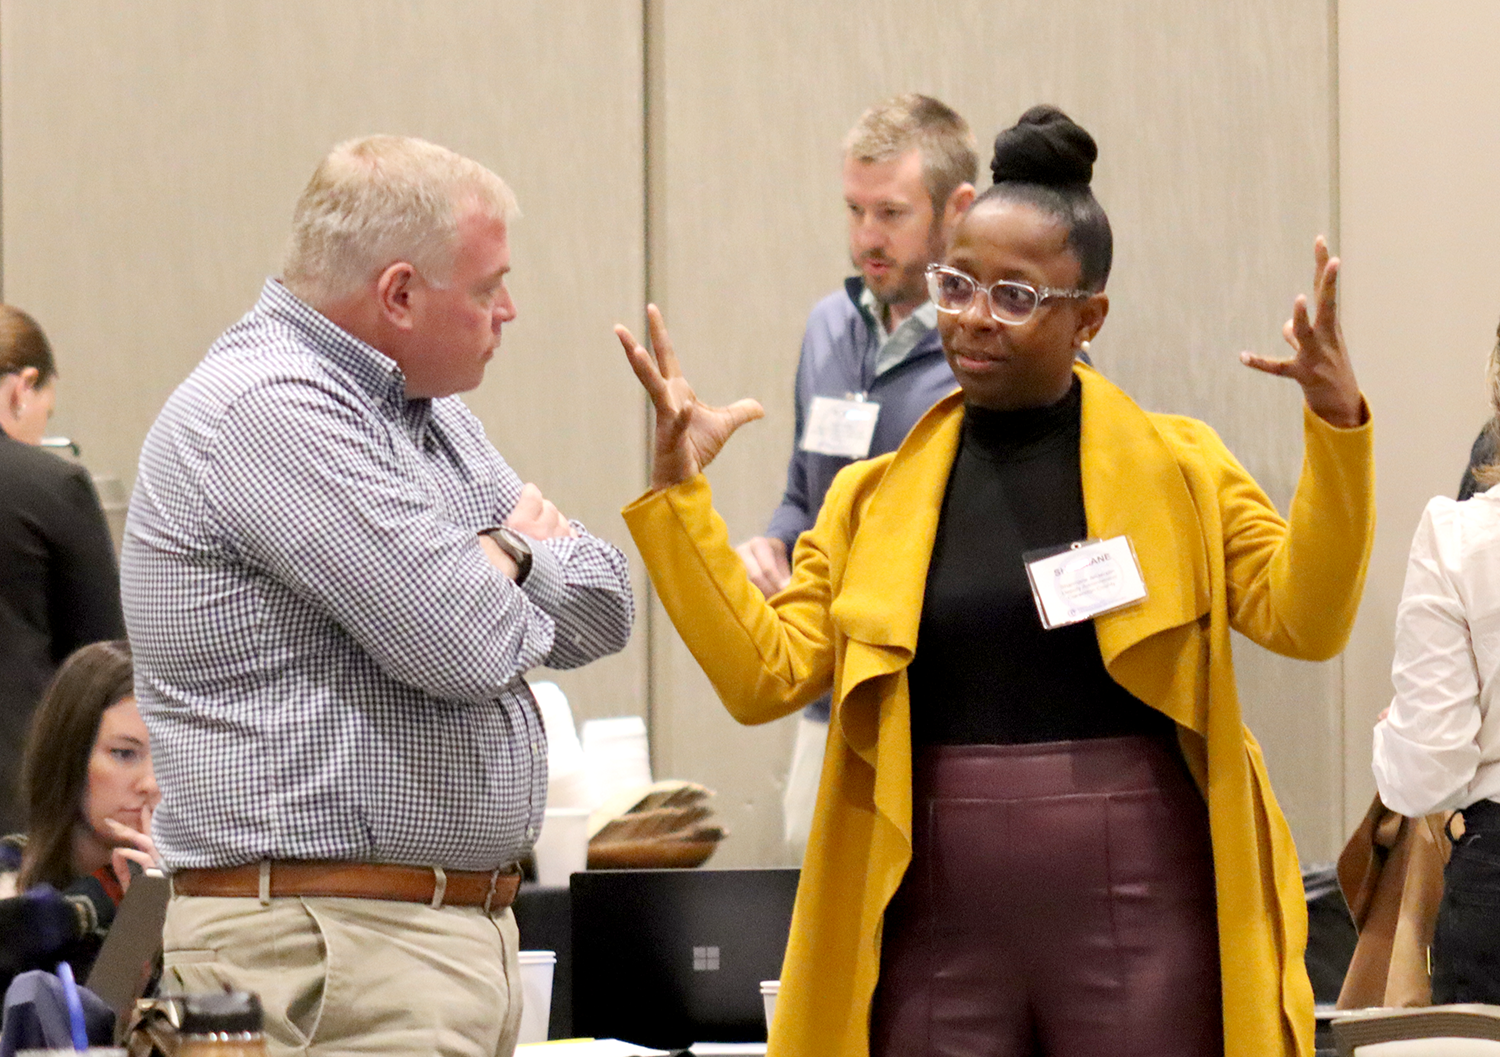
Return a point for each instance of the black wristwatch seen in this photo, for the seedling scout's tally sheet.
(517, 546)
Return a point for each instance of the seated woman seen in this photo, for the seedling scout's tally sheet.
(1437, 748)
(89, 791)
(1042, 829)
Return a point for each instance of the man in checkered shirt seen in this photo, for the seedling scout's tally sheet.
(334, 586)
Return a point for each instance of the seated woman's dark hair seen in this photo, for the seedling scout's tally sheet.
(55, 764)
(1046, 161)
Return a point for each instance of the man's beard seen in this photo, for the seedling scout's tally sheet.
(907, 284)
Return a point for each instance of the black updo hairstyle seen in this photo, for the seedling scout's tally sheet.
(1046, 161)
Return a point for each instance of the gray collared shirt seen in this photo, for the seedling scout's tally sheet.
(895, 345)
(328, 666)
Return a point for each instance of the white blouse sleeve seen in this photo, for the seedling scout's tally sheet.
(1427, 748)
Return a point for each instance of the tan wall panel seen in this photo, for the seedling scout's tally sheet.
(1419, 160)
(1214, 124)
(153, 151)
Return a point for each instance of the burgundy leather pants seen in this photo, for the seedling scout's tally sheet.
(1060, 903)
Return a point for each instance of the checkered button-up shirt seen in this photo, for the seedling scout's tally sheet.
(328, 665)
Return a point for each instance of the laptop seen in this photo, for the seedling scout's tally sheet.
(669, 958)
(128, 955)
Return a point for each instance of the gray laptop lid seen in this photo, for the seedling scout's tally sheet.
(666, 958)
(123, 968)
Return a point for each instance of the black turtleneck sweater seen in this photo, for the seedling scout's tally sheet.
(985, 671)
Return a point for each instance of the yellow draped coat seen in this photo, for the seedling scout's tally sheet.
(1215, 555)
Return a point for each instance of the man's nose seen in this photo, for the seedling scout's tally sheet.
(505, 311)
(865, 233)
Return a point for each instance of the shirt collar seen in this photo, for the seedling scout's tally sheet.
(372, 370)
(922, 318)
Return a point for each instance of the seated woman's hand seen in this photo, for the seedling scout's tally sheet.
(134, 846)
(1321, 362)
(689, 433)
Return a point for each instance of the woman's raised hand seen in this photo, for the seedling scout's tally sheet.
(1321, 364)
(689, 433)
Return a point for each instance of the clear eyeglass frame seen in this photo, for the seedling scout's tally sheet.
(1020, 301)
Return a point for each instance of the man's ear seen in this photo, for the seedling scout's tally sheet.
(958, 204)
(14, 388)
(393, 293)
(17, 386)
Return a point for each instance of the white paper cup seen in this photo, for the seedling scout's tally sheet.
(536, 994)
(769, 989)
(562, 848)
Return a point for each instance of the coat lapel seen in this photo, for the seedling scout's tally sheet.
(1123, 460)
(879, 605)
(1133, 487)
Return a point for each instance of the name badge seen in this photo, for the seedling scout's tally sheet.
(840, 427)
(1088, 578)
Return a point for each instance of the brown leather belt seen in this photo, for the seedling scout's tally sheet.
(491, 889)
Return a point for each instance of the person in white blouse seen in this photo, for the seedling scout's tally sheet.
(1437, 748)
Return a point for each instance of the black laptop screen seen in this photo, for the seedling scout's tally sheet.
(666, 958)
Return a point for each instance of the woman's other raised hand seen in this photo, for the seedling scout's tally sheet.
(1321, 362)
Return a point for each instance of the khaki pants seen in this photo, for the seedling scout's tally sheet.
(355, 976)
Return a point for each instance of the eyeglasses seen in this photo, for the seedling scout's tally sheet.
(1011, 303)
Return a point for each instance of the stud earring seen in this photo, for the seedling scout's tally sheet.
(1083, 347)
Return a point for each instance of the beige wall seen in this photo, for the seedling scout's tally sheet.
(1419, 165)
(151, 153)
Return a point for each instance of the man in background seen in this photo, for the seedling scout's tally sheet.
(871, 361)
(334, 585)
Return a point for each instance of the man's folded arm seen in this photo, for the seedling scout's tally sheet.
(583, 584)
(312, 495)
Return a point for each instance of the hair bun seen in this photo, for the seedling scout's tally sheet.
(1044, 147)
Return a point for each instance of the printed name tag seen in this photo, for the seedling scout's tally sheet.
(1089, 578)
(840, 427)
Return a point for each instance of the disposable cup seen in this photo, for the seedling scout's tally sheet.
(562, 848)
(536, 994)
(769, 989)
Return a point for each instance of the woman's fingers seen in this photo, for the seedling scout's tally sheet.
(1280, 368)
(661, 341)
(642, 364)
(1328, 302)
(140, 858)
(742, 411)
(129, 837)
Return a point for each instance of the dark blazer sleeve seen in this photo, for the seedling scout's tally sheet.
(83, 582)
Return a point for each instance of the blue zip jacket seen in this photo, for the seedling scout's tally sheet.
(838, 359)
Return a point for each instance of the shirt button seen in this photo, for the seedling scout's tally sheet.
(531, 833)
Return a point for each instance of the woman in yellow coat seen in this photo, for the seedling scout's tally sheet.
(932, 824)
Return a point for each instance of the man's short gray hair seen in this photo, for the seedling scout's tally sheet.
(890, 129)
(382, 199)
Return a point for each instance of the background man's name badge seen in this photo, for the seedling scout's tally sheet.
(840, 427)
(1088, 578)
